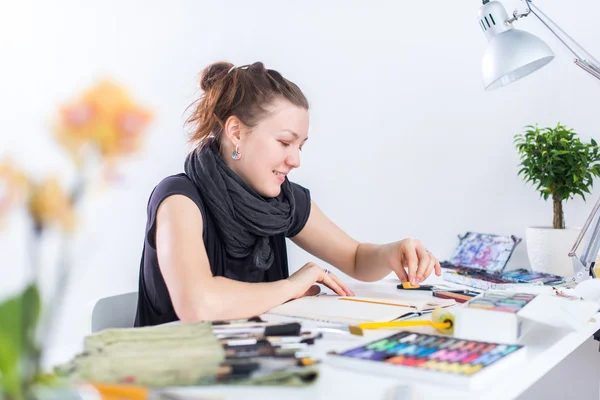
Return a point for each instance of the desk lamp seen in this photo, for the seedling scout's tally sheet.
(513, 54)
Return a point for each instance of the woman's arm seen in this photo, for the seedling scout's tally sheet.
(195, 293)
(325, 240)
(364, 261)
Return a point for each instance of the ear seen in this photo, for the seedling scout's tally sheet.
(234, 129)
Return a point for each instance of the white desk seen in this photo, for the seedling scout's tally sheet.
(547, 350)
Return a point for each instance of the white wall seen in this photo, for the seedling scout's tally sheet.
(404, 142)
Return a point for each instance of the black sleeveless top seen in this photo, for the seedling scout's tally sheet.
(154, 303)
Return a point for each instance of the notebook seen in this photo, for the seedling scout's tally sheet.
(356, 309)
(431, 358)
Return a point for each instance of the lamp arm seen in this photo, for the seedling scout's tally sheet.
(592, 246)
(583, 58)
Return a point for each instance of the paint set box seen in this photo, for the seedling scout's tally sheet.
(493, 315)
(431, 358)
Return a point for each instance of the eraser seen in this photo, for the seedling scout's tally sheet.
(408, 285)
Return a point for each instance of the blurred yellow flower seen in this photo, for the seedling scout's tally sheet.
(13, 186)
(105, 117)
(49, 205)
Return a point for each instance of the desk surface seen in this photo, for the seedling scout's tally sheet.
(546, 348)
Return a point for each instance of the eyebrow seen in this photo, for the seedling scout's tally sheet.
(295, 134)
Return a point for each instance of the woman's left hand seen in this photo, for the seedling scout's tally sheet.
(411, 261)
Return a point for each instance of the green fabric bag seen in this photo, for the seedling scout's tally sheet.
(167, 355)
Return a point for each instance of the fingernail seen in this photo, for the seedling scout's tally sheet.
(413, 280)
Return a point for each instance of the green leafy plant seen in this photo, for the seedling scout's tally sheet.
(18, 347)
(558, 164)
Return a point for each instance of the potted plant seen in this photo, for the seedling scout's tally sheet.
(561, 167)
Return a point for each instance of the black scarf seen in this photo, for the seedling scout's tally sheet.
(244, 219)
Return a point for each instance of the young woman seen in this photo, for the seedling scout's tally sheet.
(215, 244)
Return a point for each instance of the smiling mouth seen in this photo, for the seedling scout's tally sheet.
(280, 177)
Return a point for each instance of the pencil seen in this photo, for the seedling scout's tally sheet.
(118, 391)
(376, 302)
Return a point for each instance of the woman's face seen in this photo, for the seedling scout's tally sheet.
(270, 149)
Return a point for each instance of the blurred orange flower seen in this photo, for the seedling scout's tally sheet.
(104, 117)
(13, 186)
(49, 204)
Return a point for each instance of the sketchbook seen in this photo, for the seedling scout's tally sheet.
(356, 309)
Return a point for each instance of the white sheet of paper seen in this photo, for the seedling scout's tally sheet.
(332, 308)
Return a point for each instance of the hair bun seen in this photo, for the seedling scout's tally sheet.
(257, 67)
(213, 73)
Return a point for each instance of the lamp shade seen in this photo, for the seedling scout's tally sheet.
(511, 53)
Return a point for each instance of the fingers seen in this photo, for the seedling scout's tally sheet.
(346, 289)
(424, 260)
(438, 268)
(333, 285)
(431, 266)
(413, 263)
(319, 275)
(332, 282)
(402, 275)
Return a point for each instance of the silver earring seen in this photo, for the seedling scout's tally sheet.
(236, 155)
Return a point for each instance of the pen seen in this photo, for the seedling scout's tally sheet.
(460, 291)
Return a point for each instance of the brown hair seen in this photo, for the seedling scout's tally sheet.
(243, 91)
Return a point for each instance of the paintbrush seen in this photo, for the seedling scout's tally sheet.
(343, 329)
(243, 330)
(287, 329)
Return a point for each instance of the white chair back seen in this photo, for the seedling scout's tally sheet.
(115, 312)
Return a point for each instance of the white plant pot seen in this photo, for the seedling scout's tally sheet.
(548, 249)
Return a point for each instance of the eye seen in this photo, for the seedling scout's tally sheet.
(284, 144)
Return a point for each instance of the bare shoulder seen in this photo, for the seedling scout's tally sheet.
(179, 210)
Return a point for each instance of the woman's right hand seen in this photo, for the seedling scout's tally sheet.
(305, 278)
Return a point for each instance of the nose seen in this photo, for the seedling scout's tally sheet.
(293, 159)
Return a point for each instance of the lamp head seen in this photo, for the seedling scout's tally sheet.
(511, 53)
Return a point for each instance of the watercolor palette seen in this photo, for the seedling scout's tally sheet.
(479, 261)
(483, 251)
(432, 357)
